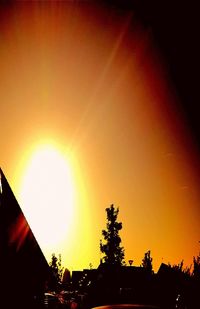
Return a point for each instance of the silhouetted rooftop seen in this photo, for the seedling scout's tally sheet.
(23, 267)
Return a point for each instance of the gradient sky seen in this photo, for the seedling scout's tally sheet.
(87, 100)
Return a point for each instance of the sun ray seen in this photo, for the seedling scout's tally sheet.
(19, 231)
(102, 79)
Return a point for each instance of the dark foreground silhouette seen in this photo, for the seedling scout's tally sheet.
(23, 267)
(25, 275)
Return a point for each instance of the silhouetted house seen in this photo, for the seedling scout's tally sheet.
(121, 284)
(135, 284)
(23, 267)
(170, 283)
(76, 277)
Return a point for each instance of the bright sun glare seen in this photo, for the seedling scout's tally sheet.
(47, 195)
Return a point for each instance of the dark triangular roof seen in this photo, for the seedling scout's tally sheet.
(23, 267)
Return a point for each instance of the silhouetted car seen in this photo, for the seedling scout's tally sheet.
(51, 301)
(127, 306)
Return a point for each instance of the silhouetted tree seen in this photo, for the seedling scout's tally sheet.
(196, 267)
(147, 261)
(113, 252)
(66, 279)
(56, 271)
(179, 268)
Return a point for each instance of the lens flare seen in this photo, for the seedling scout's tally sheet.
(47, 195)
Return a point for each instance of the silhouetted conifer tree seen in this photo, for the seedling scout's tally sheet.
(113, 252)
(196, 267)
(57, 272)
(147, 261)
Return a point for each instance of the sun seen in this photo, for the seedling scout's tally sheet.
(46, 195)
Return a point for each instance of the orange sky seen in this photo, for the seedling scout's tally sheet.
(90, 82)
